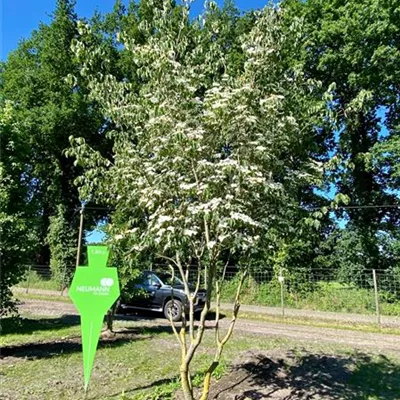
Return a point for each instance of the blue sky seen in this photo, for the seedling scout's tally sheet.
(20, 17)
(95, 236)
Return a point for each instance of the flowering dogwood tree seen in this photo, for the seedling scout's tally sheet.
(199, 157)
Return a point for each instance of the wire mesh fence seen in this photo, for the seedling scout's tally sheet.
(321, 290)
(316, 290)
(362, 292)
(43, 278)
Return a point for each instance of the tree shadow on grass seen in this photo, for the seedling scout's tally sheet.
(211, 316)
(54, 348)
(23, 326)
(312, 376)
(150, 315)
(67, 345)
(152, 385)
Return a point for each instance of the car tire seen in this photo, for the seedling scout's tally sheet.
(197, 315)
(176, 307)
(119, 309)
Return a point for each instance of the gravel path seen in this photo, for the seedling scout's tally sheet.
(49, 308)
(275, 311)
(320, 315)
(355, 339)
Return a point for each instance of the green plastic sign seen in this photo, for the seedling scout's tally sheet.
(93, 291)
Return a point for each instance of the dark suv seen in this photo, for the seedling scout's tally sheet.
(162, 293)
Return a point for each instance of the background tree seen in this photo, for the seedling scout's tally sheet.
(355, 44)
(18, 216)
(62, 241)
(47, 110)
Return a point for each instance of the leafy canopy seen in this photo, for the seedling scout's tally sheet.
(203, 163)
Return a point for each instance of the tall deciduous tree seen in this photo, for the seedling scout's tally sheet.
(47, 110)
(355, 44)
(204, 159)
(18, 232)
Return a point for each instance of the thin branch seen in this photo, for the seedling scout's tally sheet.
(170, 316)
(236, 307)
(219, 285)
(217, 311)
(200, 332)
(188, 295)
(224, 270)
(167, 258)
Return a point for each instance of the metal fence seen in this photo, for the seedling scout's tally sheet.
(41, 277)
(363, 292)
(374, 292)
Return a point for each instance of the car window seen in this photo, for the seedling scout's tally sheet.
(150, 280)
(167, 280)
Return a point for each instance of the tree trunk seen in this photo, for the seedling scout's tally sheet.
(187, 390)
(110, 317)
(207, 380)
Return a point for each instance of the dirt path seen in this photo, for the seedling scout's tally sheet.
(273, 311)
(374, 341)
(44, 307)
(354, 339)
(319, 315)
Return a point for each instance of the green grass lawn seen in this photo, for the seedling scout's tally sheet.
(35, 281)
(41, 359)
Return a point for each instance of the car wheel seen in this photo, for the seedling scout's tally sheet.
(119, 309)
(173, 308)
(197, 315)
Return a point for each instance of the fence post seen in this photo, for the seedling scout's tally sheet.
(78, 252)
(29, 278)
(378, 314)
(281, 280)
(63, 280)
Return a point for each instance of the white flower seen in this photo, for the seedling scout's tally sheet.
(221, 238)
(187, 186)
(244, 218)
(211, 244)
(163, 218)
